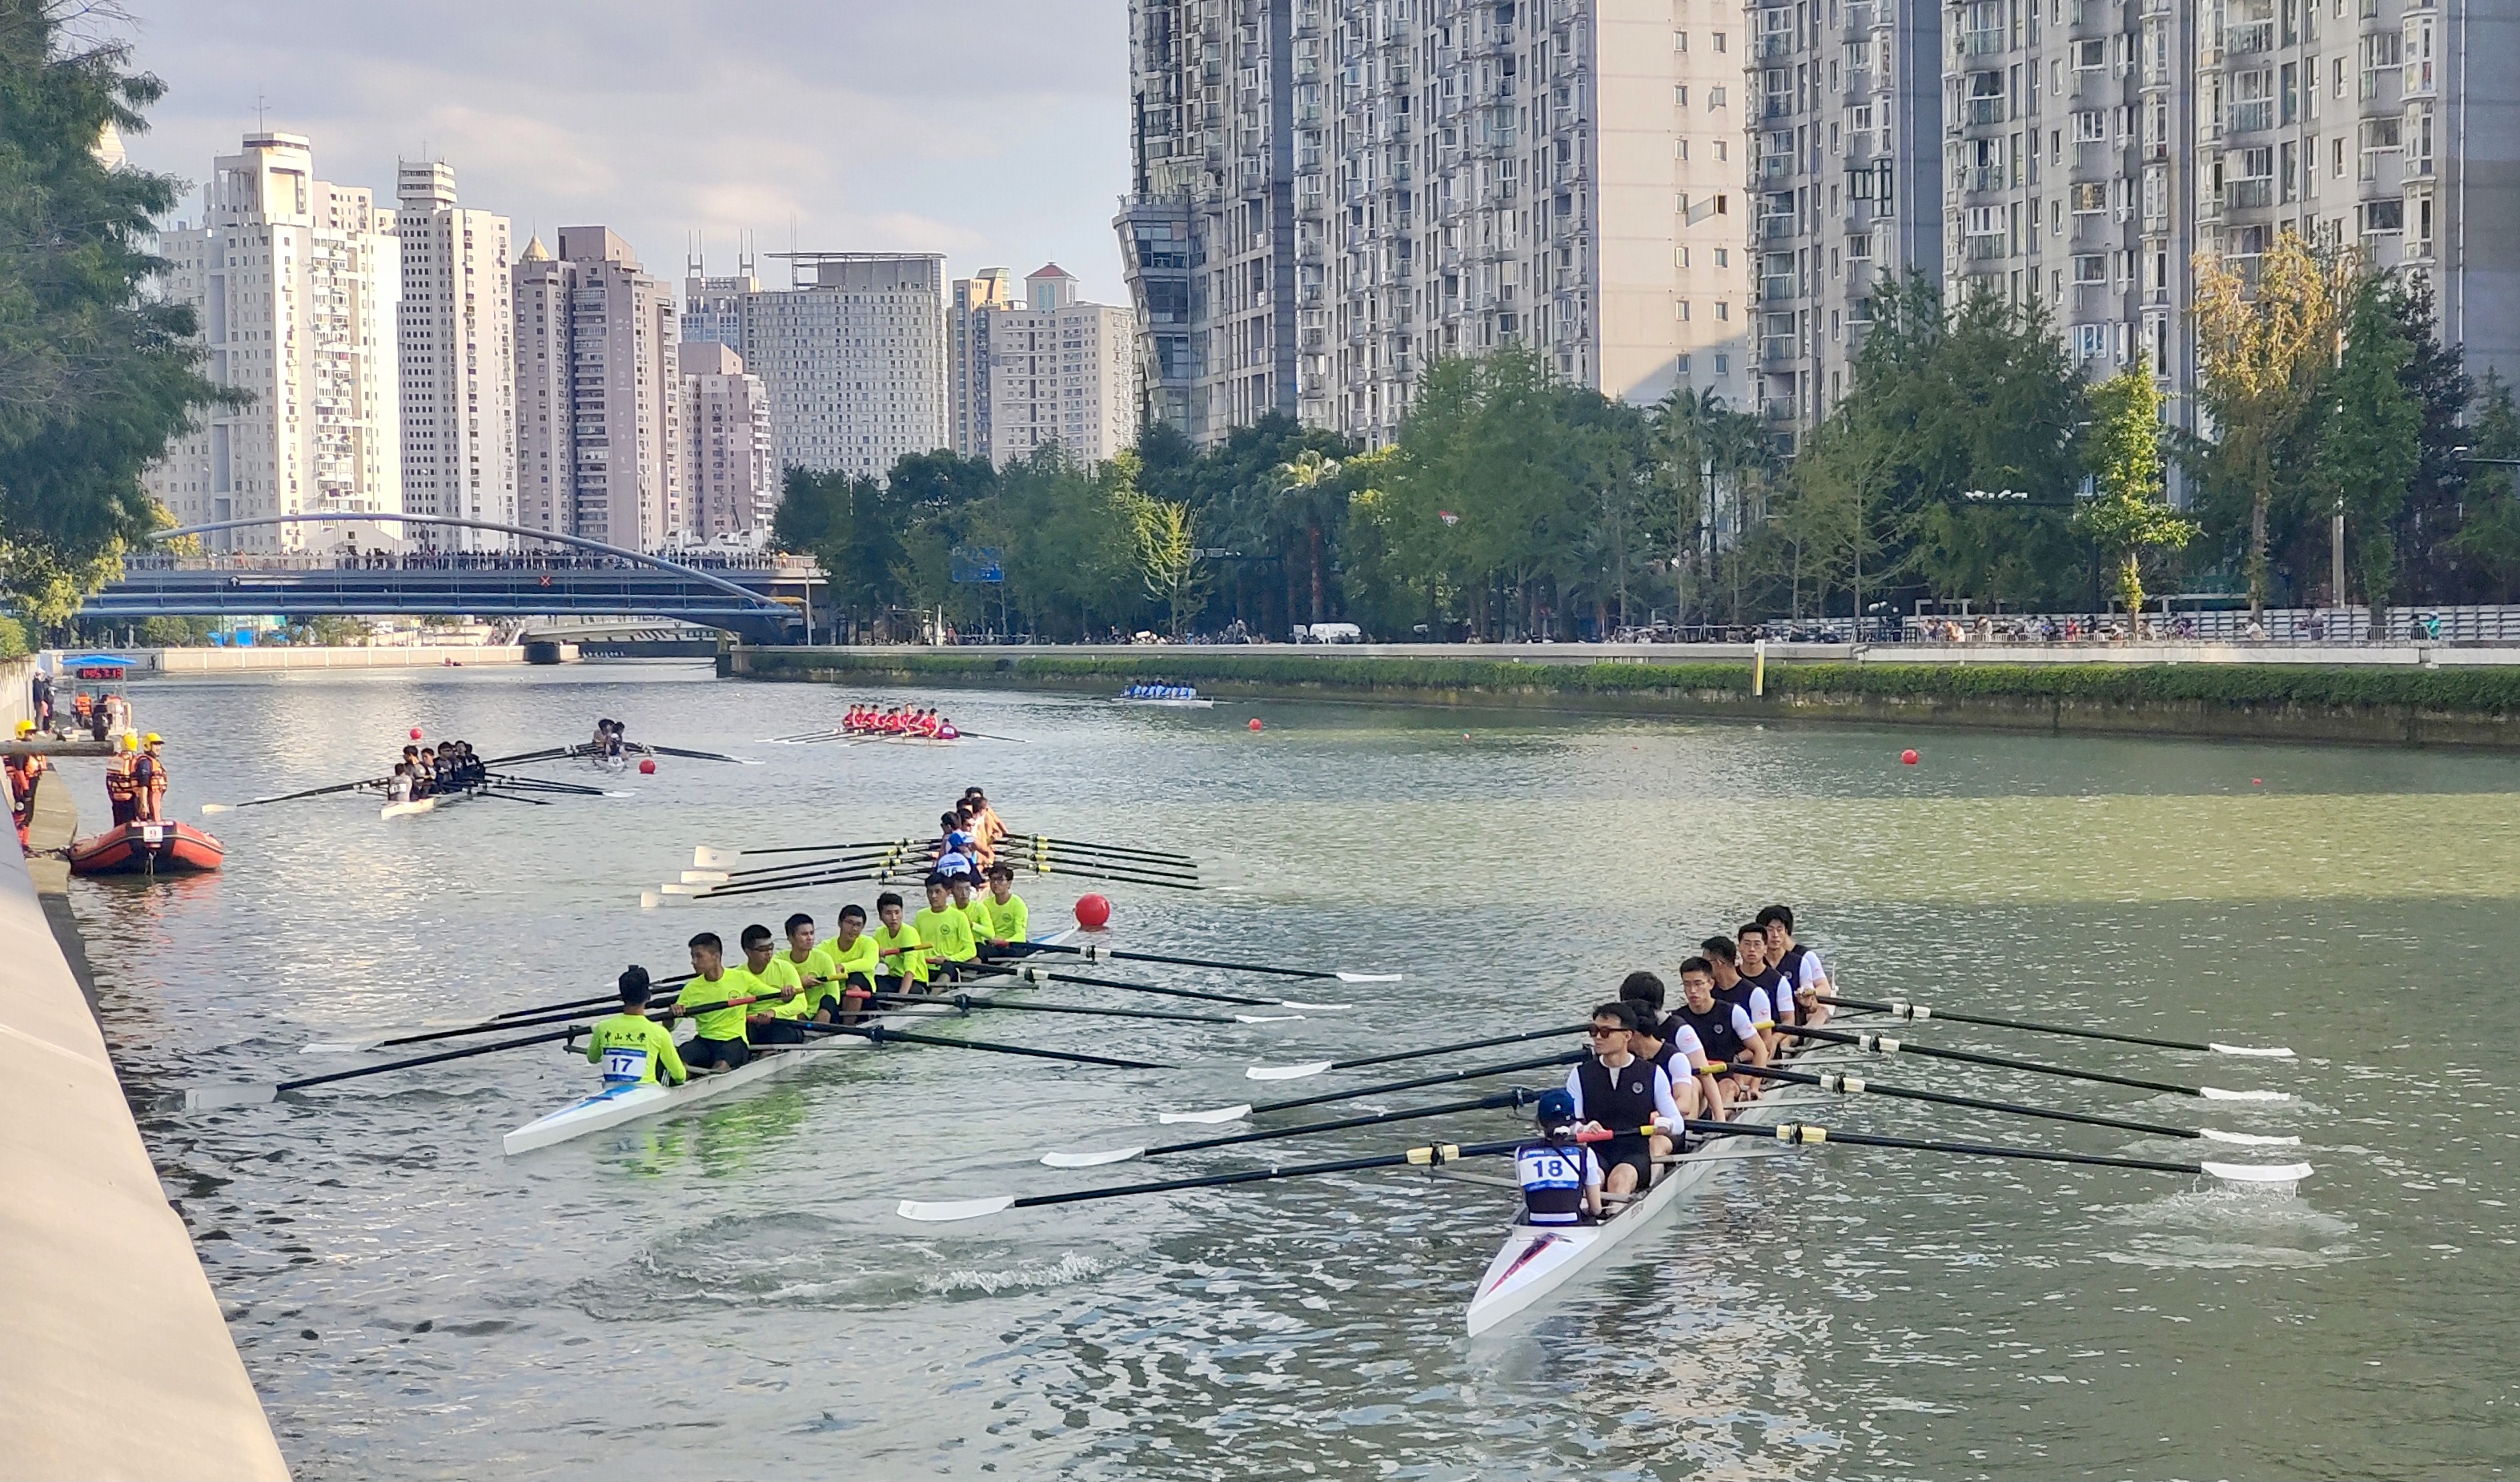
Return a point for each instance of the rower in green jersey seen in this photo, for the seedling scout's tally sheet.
(851, 964)
(719, 1044)
(1010, 919)
(633, 1048)
(898, 949)
(945, 931)
(811, 964)
(779, 1019)
(974, 906)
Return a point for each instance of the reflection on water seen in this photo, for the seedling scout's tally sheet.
(727, 1294)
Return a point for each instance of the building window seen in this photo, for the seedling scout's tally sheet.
(2091, 267)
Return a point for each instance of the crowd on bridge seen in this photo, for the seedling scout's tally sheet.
(381, 559)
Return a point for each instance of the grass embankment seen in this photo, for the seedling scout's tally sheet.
(2395, 706)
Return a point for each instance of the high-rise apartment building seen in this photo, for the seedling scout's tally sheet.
(853, 356)
(292, 281)
(459, 366)
(598, 394)
(1327, 199)
(729, 486)
(1047, 369)
(713, 307)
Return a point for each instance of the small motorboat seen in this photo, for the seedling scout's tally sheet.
(147, 849)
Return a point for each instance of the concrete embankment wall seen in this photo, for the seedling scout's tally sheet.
(255, 660)
(115, 1362)
(2374, 704)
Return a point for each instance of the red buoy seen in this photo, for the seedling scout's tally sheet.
(646, 766)
(414, 733)
(1256, 723)
(1093, 912)
(1907, 758)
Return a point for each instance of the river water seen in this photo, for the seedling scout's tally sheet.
(728, 1294)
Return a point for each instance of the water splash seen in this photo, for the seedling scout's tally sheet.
(1065, 1270)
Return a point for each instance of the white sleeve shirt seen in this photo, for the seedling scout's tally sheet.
(1664, 1106)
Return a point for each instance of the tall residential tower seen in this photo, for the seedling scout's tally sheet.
(459, 368)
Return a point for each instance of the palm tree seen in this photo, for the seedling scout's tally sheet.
(1301, 482)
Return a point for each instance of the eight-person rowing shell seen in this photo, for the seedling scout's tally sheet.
(898, 720)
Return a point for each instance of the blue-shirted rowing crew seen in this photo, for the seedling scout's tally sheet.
(1653, 1066)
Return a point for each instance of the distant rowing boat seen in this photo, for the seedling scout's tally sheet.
(1192, 703)
(420, 805)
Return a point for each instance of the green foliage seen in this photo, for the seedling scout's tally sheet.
(14, 641)
(95, 378)
(177, 632)
(2130, 514)
(2490, 541)
(2368, 431)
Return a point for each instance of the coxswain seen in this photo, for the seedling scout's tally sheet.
(1010, 919)
(150, 780)
(944, 930)
(1732, 988)
(1670, 1044)
(1806, 975)
(953, 847)
(779, 1018)
(122, 792)
(1751, 944)
(988, 829)
(851, 964)
(1724, 1030)
(399, 785)
(633, 1048)
(1560, 1179)
(943, 729)
(719, 1043)
(1618, 1092)
(898, 949)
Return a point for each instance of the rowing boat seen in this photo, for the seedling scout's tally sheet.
(420, 805)
(615, 1105)
(1185, 703)
(1537, 1260)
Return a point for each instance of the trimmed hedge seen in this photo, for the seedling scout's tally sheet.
(2492, 690)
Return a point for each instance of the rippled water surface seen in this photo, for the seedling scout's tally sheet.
(728, 1294)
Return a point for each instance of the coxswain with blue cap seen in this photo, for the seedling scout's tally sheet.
(1560, 1179)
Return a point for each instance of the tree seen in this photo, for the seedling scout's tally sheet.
(95, 376)
(2432, 568)
(2264, 351)
(2366, 443)
(1166, 544)
(2130, 513)
(2490, 537)
(1305, 480)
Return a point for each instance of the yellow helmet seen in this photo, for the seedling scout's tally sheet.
(154, 738)
(131, 740)
(25, 727)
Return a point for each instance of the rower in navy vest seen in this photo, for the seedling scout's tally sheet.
(1732, 988)
(1617, 1092)
(1672, 1047)
(1761, 974)
(1805, 974)
(1560, 1179)
(1724, 1030)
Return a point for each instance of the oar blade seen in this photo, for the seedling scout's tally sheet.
(1220, 1114)
(1315, 1008)
(1091, 1160)
(1287, 1072)
(1368, 978)
(1268, 1019)
(705, 876)
(2217, 1094)
(2262, 1052)
(650, 900)
(707, 857)
(219, 1098)
(942, 1211)
(2245, 1139)
(2258, 1173)
(340, 1047)
(218, 807)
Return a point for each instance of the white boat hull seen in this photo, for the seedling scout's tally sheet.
(1177, 705)
(418, 806)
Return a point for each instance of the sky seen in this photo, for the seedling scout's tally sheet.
(993, 132)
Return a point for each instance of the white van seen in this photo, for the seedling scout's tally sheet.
(1330, 633)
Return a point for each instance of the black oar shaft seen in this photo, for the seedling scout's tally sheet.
(1419, 1054)
(964, 1002)
(1920, 1012)
(1514, 1097)
(1429, 1157)
(878, 1033)
(1808, 1135)
(1096, 953)
(1030, 843)
(1046, 975)
(592, 1002)
(1839, 1083)
(1883, 1043)
(441, 1057)
(1439, 1078)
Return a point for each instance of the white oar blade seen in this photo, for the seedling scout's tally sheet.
(2217, 1094)
(1287, 1072)
(218, 807)
(2265, 1052)
(650, 900)
(218, 1097)
(2259, 1173)
(342, 1047)
(2246, 1138)
(678, 889)
(1315, 1008)
(708, 857)
(705, 876)
(1090, 1159)
(1369, 977)
(1268, 1019)
(939, 1211)
(1220, 1114)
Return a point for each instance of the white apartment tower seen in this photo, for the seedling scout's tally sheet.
(1326, 198)
(713, 307)
(598, 394)
(458, 367)
(730, 484)
(853, 356)
(1045, 370)
(292, 281)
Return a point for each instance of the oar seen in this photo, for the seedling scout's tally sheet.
(697, 876)
(663, 1013)
(765, 887)
(704, 756)
(544, 784)
(1435, 1156)
(967, 1004)
(1514, 1097)
(878, 1033)
(1048, 975)
(712, 857)
(985, 735)
(514, 798)
(1316, 1067)
(210, 1098)
(291, 797)
(1244, 1109)
(1113, 875)
(769, 741)
(547, 753)
(1099, 953)
(655, 985)
(1882, 1044)
(1027, 842)
(1807, 1135)
(1855, 1085)
(1901, 1008)
(1071, 861)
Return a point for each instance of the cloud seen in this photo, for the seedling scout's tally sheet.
(994, 132)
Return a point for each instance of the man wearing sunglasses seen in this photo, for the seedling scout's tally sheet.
(1617, 1092)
